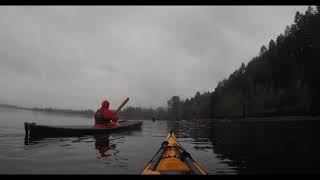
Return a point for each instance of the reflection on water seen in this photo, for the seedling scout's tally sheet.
(102, 143)
(274, 147)
(255, 147)
(104, 146)
(195, 137)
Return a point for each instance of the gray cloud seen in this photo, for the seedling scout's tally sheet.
(73, 57)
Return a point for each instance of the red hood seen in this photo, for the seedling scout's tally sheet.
(105, 104)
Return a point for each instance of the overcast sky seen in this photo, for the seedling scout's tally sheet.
(73, 57)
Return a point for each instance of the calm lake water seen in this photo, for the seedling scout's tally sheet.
(221, 148)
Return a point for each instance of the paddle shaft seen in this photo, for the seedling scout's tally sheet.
(121, 106)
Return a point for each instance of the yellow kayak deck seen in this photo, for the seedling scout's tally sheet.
(172, 158)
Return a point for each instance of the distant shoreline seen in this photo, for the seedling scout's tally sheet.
(86, 113)
(90, 113)
(83, 113)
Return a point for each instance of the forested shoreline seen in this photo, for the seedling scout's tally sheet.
(283, 80)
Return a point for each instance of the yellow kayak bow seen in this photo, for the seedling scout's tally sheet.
(172, 158)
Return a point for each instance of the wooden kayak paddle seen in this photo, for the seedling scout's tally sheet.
(123, 104)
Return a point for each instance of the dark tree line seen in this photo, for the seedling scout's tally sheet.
(194, 107)
(143, 113)
(284, 79)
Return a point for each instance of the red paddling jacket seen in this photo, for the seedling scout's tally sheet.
(104, 115)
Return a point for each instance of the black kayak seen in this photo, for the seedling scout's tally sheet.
(34, 130)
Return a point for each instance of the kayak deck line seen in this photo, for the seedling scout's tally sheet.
(34, 130)
(172, 158)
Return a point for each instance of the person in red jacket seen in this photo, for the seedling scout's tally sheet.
(104, 117)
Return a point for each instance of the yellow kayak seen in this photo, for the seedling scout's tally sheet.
(172, 158)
